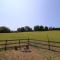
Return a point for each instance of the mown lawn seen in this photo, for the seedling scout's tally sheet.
(53, 35)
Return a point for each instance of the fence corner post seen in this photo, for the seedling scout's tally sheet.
(6, 45)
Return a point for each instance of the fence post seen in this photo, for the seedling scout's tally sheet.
(6, 45)
(48, 43)
(28, 44)
(49, 48)
(19, 44)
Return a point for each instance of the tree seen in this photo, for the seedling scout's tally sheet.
(4, 29)
(37, 28)
(18, 29)
(22, 29)
(53, 28)
(46, 28)
(56, 28)
(50, 28)
(41, 28)
(27, 28)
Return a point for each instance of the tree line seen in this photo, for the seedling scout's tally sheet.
(4, 29)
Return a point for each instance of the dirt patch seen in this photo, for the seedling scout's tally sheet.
(35, 54)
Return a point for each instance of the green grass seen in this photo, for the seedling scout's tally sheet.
(53, 35)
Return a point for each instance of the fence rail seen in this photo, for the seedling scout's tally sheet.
(48, 45)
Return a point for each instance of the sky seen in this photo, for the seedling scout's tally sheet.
(19, 13)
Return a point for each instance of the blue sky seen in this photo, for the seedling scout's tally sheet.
(18, 13)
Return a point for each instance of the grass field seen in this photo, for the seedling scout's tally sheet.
(53, 35)
(36, 53)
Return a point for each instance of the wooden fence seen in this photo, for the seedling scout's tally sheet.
(48, 45)
(18, 43)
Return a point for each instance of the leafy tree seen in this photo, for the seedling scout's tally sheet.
(27, 28)
(50, 28)
(18, 29)
(41, 28)
(22, 29)
(4, 29)
(37, 28)
(46, 28)
(53, 28)
(56, 28)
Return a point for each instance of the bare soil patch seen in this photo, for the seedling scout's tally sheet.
(35, 54)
